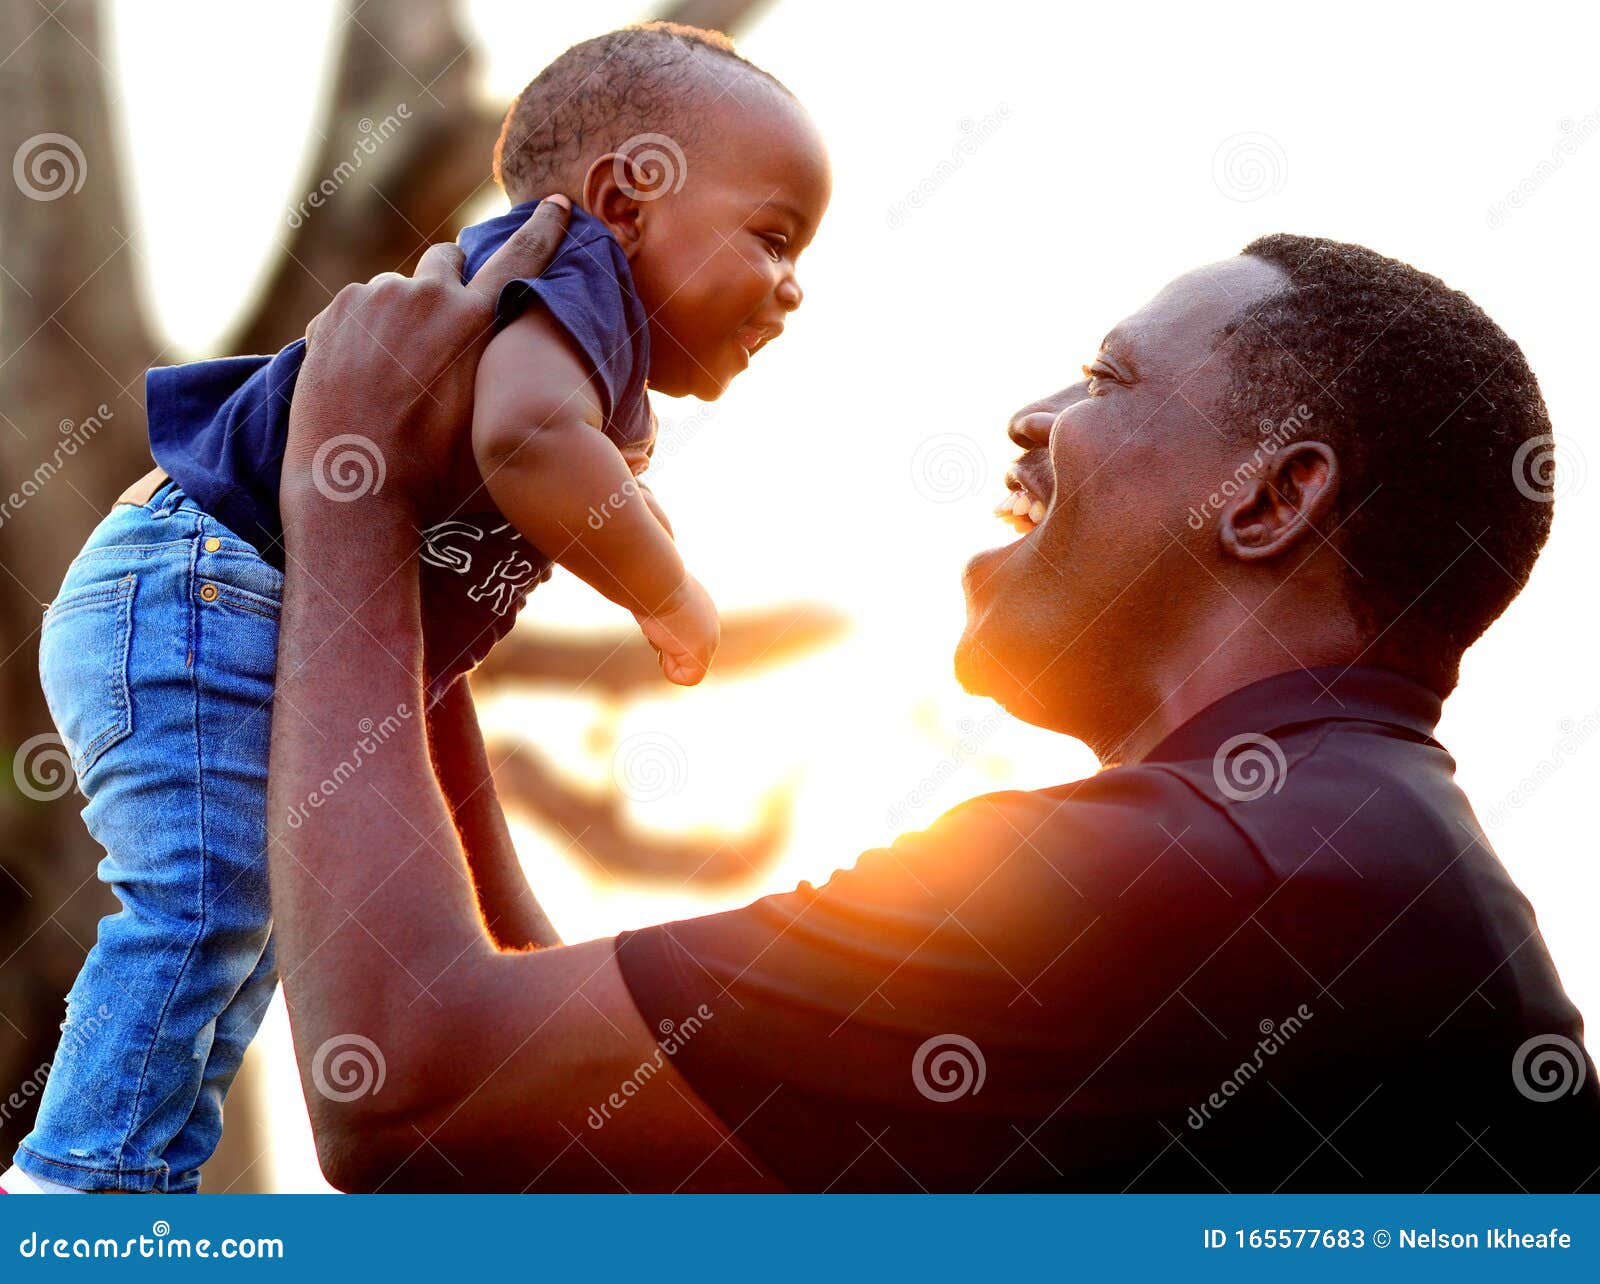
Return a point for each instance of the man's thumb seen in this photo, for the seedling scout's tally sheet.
(529, 249)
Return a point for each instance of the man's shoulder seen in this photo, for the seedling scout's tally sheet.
(1126, 808)
(1338, 800)
(1371, 856)
(1106, 797)
(1324, 807)
(1133, 839)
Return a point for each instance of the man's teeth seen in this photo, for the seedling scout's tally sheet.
(1021, 509)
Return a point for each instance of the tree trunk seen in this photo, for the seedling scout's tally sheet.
(73, 347)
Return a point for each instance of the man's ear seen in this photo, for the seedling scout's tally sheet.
(610, 195)
(1295, 492)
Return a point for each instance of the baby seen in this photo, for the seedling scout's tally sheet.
(696, 182)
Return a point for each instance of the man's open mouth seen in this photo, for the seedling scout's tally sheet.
(1022, 509)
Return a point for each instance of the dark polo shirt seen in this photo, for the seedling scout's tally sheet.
(1279, 953)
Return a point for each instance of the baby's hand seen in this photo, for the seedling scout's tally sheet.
(685, 633)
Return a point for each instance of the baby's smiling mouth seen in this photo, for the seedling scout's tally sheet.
(752, 338)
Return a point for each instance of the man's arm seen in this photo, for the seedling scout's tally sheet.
(491, 1061)
(510, 913)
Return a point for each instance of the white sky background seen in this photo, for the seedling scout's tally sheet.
(1092, 185)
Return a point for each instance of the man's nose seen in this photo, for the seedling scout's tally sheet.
(1030, 427)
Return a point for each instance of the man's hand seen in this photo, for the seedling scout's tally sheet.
(383, 402)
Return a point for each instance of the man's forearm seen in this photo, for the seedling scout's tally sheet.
(511, 914)
(367, 874)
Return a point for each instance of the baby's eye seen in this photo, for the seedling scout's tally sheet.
(776, 244)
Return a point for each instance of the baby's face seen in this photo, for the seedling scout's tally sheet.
(715, 262)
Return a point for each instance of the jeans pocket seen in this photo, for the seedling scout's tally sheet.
(83, 667)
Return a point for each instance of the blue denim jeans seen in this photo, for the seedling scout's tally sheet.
(157, 661)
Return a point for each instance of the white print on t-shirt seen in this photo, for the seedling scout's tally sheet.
(504, 585)
(437, 552)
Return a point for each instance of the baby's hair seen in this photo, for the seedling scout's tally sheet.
(658, 77)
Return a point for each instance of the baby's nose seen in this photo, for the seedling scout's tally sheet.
(789, 293)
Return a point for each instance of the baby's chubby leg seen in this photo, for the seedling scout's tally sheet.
(157, 661)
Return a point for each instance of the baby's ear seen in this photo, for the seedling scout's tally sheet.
(610, 194)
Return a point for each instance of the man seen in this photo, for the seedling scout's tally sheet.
(1269, 948)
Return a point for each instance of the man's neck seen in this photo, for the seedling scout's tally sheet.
(1216, 663)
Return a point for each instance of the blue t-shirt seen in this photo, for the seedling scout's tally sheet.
(218, 429)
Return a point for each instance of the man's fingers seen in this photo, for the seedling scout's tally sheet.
(441, 262)
(529, 250)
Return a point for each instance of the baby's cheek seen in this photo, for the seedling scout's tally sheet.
(739, 282)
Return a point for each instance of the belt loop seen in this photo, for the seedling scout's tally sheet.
(144, 490)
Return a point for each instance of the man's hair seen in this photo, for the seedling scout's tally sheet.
(1445, 496)
(655, 78)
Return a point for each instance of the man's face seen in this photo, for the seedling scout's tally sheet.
(1069, 616)
(716, 263)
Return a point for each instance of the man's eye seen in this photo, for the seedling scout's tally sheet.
(1098, 376)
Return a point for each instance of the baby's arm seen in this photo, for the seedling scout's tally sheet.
(536, 433)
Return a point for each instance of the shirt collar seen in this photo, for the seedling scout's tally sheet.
(1304, 696)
